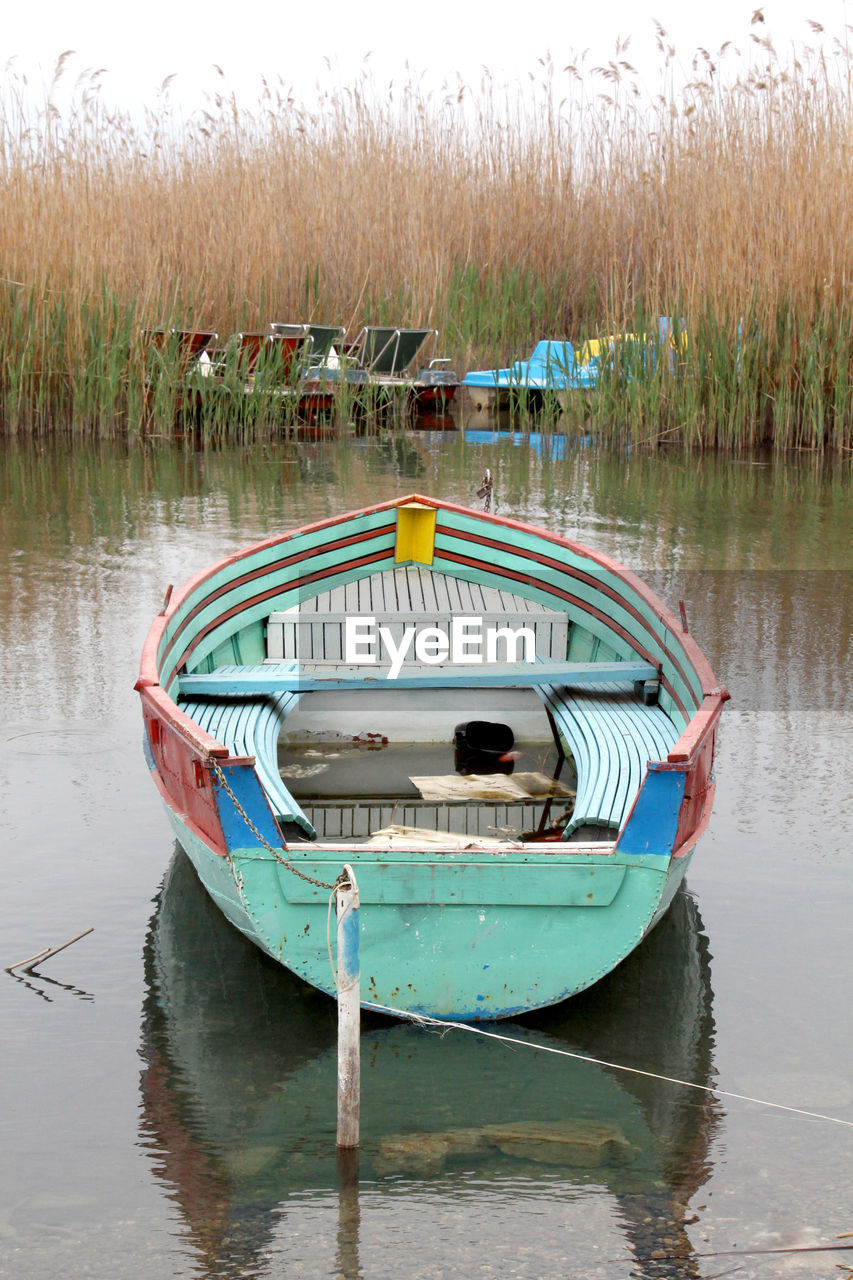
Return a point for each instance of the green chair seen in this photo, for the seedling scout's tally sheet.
(390, 351)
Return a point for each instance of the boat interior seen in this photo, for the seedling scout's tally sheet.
(526, 761)
(398, 761)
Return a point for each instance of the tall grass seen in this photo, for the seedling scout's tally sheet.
(570, 206)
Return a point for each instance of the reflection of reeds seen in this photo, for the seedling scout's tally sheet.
(562, 211)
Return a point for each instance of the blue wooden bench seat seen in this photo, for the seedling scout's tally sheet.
(611, 736)
(250, 726)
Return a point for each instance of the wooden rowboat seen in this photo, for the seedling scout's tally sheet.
(300, 699)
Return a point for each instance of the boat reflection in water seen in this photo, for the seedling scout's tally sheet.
(239, 1094)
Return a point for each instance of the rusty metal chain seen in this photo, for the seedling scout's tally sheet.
(223, 781)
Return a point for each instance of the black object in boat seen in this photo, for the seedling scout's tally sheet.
(481, 746)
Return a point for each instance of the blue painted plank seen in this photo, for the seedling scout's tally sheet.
(602, 750)
(638, 748)
(622, 748)
(584, 747)
(654, 822)
(612, 737)
(634, 745)
(250, 727)
(268, 679)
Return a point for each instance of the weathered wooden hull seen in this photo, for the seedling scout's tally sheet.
(462, 933)
(522, 937)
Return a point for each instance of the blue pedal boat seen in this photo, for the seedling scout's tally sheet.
(552, 372)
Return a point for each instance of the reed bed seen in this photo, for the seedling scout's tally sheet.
(570, 206)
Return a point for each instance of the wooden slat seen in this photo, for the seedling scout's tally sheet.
(267, 678)
(612, 737)
(454, 594)
(492, 602)
(442, 595)
(416, 593)
(584, 746)
(426, 589)
(623, 751)
(250, 727)
(499, 617)
(335, 819)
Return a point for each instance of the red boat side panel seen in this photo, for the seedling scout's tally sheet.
(182, 767)
(701, 827)
(699, 727)
(697, 788)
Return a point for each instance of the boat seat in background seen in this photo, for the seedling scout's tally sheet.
(248, 348)
(390, 351)
(250, 727)
(611, 736)
(319, 341)
(175, 351)
(553, 363)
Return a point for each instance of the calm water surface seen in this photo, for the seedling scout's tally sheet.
(167, 1098)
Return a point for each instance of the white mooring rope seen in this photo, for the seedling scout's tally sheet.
(423, 1019)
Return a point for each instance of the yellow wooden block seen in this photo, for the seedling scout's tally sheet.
(415, 533)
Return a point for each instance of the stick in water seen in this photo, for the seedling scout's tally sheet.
(30, 960)
(29, 964)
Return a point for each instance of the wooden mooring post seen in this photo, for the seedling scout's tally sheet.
(349, 1011)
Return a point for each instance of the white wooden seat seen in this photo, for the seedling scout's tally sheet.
(313, 631)
(612, 736)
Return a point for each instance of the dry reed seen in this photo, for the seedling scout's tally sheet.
(573, 209)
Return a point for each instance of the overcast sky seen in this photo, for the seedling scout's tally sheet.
(139, 45)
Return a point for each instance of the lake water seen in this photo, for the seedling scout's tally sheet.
(167, 1098)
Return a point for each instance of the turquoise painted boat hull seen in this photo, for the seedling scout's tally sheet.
(465, 941)
(467, 936)
(466, 931)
